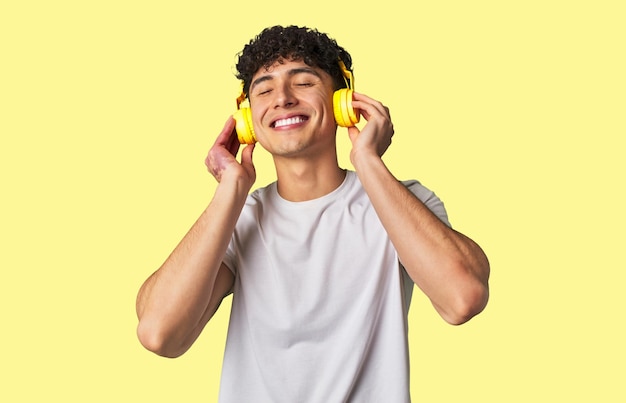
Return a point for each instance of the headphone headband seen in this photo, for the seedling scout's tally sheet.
(348, 77)
(242, 97)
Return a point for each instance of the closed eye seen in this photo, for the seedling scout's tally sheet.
(262, 91)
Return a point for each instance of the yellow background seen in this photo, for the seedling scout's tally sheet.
(513, 112)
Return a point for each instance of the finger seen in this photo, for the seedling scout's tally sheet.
(353, 133)
(225, 139)
(367, 110)
(228, 137)
(367, 102)
(227, 132)
(246, 155)
(233, 143)
(364, 98)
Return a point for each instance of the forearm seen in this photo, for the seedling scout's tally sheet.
(179, 297)
(450, 268)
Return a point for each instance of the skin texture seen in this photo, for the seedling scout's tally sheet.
(292, 114)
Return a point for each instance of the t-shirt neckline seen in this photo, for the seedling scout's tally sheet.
(333, 195)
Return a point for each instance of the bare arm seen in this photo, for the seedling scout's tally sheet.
(175, 302)
(450, 268)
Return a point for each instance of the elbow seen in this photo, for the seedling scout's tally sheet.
(466, 304)
(155, 340)
(472, 295)
(467, 310)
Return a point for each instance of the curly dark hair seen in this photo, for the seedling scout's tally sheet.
(289, 43)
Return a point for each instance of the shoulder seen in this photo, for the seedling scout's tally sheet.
(261, 195)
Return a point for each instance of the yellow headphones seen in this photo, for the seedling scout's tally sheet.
(345, 114)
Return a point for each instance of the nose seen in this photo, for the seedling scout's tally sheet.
(285, 98)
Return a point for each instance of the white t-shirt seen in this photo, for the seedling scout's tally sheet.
(320, 301)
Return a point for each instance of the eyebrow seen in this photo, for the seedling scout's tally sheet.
(291, 73)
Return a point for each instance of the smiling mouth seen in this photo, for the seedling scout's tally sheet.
(289, 121)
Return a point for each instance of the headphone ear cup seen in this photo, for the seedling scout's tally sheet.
(243, 126)
(345, 114)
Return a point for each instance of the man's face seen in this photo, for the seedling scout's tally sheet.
(292, 109)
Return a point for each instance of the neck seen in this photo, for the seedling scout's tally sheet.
(306, 180)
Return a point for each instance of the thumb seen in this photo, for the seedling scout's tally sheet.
(353, 133)
(246, 154)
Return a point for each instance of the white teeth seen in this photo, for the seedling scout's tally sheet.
(289, 121)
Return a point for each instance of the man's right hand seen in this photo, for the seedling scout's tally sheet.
(221, 161)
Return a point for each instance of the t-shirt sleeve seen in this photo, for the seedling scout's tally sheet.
(429, 198)
(230, 258)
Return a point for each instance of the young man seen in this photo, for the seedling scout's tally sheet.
(321, 264)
